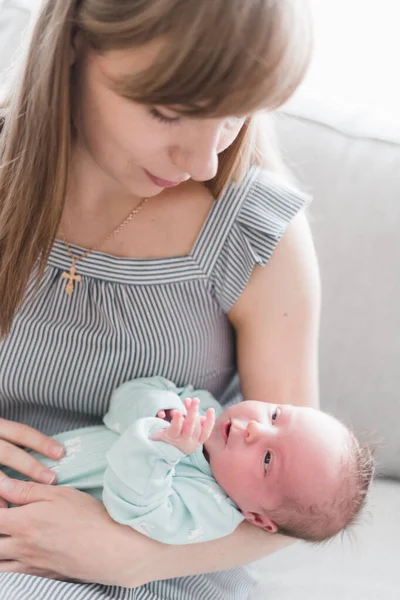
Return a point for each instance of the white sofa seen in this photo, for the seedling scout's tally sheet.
(350, 163)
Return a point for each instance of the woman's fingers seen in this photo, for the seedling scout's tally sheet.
(3, 503)
(10, 566)
(21, 493)
(13, 457)
(25, 436)
(14, 438)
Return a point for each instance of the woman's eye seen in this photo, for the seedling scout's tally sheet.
(267, 459)
(163, 118)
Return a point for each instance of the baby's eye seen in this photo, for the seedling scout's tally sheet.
(274, 415)
(267, 459)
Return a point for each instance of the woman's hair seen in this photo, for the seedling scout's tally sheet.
(219, 58)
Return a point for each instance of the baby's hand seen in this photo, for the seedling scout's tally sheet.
(190, 432)
(165, 414)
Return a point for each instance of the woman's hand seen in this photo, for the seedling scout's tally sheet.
(187, 433)
(62, 533)
(13, 435)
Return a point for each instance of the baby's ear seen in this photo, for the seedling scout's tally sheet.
(262, 521)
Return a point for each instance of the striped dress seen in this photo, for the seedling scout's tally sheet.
(131, 318)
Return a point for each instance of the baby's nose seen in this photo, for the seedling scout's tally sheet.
(253, 432)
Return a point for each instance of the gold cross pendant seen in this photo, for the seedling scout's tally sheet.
(71, 276)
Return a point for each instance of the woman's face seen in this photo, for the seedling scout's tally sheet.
(143, 149)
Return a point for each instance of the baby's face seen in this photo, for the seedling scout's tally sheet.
(259, 453)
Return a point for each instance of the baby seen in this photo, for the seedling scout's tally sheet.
(164, 465)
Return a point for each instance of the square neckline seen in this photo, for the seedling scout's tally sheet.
(102, 265)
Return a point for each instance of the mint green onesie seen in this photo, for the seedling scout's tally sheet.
(149, 485)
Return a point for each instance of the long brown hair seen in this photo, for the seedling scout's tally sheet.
(220, 58)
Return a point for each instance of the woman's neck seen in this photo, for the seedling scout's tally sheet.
(92, 192)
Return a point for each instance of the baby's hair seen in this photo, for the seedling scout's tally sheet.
(320, 522)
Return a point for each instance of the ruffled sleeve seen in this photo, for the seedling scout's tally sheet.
(267, 209)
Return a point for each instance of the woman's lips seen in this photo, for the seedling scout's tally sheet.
(161, 182)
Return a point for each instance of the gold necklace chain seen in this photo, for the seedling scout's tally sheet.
(71, 275)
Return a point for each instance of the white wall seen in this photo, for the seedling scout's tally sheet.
(356, 58)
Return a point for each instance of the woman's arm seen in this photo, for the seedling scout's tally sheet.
(161, 561)
(277, 322)
(59, 533)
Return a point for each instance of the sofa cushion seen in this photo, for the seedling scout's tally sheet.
(360, 565)
(350, 163)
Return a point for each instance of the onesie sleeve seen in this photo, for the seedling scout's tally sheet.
(139, 398)
(267, 209)
(139, 472)
(142, 490)
(146, 396)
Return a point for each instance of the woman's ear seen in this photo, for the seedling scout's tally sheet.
(262, 521)
(76, 45)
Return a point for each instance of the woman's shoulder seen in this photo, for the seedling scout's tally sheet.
(259, 206)
(269, 190)
(249, 221)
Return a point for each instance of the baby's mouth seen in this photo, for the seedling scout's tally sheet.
(225, 429)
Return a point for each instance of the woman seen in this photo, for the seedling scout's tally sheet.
(135, 228)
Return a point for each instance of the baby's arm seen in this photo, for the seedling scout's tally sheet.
(142, 397)
(140, 489)
(138, 478)
(146, 396)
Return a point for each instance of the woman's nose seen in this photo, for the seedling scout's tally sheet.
(198, 155)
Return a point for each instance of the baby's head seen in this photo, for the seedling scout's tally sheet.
(290, 469)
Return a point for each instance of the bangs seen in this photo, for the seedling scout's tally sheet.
(216, 58)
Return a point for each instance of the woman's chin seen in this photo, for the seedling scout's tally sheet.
(138, 188)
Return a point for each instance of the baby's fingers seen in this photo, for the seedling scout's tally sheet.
(171, 432)
(174, 430)
(207, 425)
(158, 435)
(192, 420)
